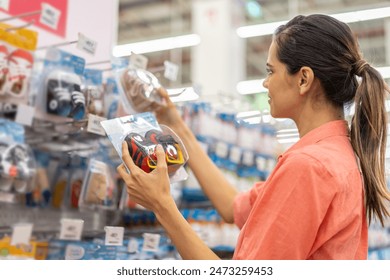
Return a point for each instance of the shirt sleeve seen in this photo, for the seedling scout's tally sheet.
(243, 204)
(286, 216)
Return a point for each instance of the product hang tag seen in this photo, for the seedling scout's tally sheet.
(86, 44)
(4, 4)
(50, 16)
(139, 61)
(71, 229)
(25, 114)
(21, 234)
(94, 125)
(171, 70)
(151, 242)
(114, 236)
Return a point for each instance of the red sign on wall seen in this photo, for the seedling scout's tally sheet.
(52, 16)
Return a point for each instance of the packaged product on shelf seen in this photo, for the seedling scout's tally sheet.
(16, 63)
(93, 91)
(59, 96)
(111, 98)
(139, 90)
(142, 134)
(17, 162)
(98, 190)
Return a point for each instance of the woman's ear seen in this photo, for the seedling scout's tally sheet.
(305, 79)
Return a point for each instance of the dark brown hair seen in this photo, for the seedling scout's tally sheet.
(330, 49)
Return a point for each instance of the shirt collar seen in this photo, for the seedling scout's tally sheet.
(329, 129)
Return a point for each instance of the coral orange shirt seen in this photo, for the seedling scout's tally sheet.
(310, 207)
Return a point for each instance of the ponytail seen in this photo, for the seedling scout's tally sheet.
(368, 138)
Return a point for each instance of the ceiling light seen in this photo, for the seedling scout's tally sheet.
(269, 28)
(156, 45)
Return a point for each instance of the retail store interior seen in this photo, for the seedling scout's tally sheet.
(61, 197)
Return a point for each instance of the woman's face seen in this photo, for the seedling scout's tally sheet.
(283, 89)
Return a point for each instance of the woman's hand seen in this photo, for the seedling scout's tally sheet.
(168, 114)
(151, 190)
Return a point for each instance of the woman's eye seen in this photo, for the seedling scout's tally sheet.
(269, 71)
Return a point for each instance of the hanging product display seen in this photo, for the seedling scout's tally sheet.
(16, 63)
(139, 90)
(58, 92)
(142, 134)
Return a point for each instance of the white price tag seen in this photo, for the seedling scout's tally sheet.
(8, 197)
(151, 242)
(114, 236)
(247, 158)
(94, 125)
(25, 114)
(86, 44)
(50, 16)
(71, 229)
(139, 61)
(222, 149)
(235, 154)
(21, 234)
(4, 4)
(171, 70)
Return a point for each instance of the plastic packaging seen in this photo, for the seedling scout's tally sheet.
(142, 134)
(140, 90)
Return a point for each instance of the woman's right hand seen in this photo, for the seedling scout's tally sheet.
(168, 114)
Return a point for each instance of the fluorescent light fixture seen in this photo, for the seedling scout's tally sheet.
(251, 86)
(269, 28)
(156, 45)
(182, 94)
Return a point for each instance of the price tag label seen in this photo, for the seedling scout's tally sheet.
(4, 4)
(71, 229)
(25, 114)
(114, 236)
(86, 44)
(50, 16)
(235, 154)
(222, 149)
(171, 70)
(151, 242)
(94, 125)
(21, 234)
(139, 61)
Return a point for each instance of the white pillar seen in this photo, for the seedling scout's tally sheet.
(218, 62)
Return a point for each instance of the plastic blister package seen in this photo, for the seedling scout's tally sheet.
(17, 167)
(140, 90)
(59, 87)
(142, 134)
(98, 190)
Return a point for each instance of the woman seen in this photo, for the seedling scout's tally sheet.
(316, 202)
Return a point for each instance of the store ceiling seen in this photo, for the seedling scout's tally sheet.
(141, 20)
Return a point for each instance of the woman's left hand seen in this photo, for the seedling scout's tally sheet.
(151, 190)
